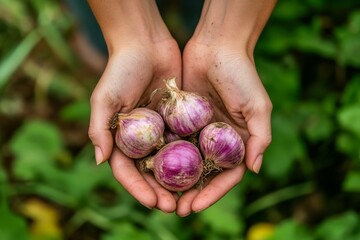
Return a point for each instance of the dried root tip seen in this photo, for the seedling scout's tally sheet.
(114, 121)
(160, 144)
(208, 167)
(148, 101)
(194, 139)
(171, 84)
(145, 164)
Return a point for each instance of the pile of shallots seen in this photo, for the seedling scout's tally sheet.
(178, 141)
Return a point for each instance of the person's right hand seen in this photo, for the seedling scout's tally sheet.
(141, 57)
(128, 80)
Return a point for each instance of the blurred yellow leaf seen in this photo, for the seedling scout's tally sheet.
(45, 219)
(260, 231)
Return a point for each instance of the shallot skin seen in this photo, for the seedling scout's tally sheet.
(184, 112)
(139, 132)
(220, 143)
(177, 166)
(169, 136)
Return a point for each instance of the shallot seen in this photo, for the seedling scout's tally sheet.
(139, 132)
(221, 146)
(169, 136)
(177, 166)
(184, 112)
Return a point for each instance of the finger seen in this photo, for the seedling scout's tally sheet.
(166, 200)
(176, 196)
(187, 198)
(126, 173)
(184, 203)
(99, 127)
(259, 127)
(217, 188)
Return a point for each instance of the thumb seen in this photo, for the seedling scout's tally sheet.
(259, 127)
(99, 129)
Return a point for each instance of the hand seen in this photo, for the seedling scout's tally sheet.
(142, 54)
(129, 78)
(218, 63)
(228, 77)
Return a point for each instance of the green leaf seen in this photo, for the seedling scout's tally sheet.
(307, 38)
(317, 4)
(285, 75)
(349, 53)
(316, 121)
(285, 149)
(351, 92)
(354, 21)
(349, 118)
(164, 226)
(75, 181)
(35, 146)
(51, 13)
(278, 196)
(79, 110)
(58, 44)
(290, 10)
(66, 86)
(12, 226)
(341, 227)
(270, 42)
(290, 229)
(16, 14)
(12, 62)
(126, 231)
(352, 182)
(223, 217)
(349, 144)
(348, 37)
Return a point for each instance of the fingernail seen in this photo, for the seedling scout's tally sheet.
(98, 155)
(199, 210)
(184, 215)
(150, 208)
(258, 162)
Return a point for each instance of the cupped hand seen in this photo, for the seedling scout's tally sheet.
(132, 73)
(227, 76)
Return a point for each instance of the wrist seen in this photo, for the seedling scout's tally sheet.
(123, 22)
(237, 23)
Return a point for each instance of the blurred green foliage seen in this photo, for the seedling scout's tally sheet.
(309, 187)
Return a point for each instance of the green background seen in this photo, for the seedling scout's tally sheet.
(308, 58)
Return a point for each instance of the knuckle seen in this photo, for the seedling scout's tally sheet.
(265, 105)
(95, 98)
(267, 140)
(104, 98)
(92, 133)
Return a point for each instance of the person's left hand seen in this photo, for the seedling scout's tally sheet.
(228, 78)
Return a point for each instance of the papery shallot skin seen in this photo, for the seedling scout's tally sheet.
(139, 132)
(220, 143)
(184, 112)
(178, 165)
(169, 136)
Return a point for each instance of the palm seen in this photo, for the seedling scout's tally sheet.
(128, 80)
(230, 81)
(133, 73)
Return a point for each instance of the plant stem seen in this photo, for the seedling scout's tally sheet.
(278, 197)
(12, 62)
